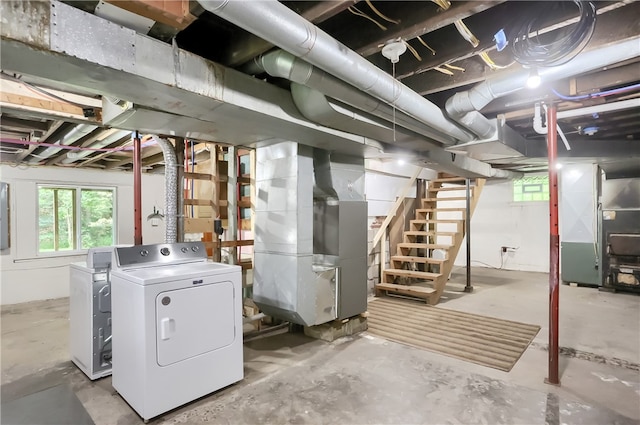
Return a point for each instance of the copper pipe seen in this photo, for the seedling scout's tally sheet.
(554, 251)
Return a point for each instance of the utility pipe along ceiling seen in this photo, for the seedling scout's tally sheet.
(321, 73)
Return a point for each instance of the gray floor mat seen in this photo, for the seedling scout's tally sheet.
(54, 406)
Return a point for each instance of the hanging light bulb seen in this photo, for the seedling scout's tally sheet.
(534, 79)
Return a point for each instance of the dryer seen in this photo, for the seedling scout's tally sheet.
(177, 325)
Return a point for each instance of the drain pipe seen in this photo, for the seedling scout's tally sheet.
(283, 64)
(281, 26)
(170, 186)
(464, 107)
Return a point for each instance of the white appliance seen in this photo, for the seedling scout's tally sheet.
(177, 325)
(90, 313)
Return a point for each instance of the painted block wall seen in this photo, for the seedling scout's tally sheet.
(28, 276)
(498, 221)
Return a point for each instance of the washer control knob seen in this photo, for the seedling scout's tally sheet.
(184, 249)
(144, 252)
(195, 248)
(165, 251)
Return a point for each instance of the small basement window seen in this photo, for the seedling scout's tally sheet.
(534, 188)
(75, 218)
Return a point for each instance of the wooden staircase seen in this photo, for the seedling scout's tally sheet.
(424, 260)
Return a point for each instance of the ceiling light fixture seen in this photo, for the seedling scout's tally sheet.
(534, 79)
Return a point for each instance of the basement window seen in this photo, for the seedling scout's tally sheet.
(75, 218)
(534, 188)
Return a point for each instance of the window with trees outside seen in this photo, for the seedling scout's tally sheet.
(75, 218)
(533, 188)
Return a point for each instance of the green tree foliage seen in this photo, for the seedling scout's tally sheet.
(97, 218)
(95, 224)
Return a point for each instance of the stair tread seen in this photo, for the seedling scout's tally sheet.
(439, 209)
(424, 245)
(408, 288)
(412, 273)
(445, 189)
(452, 198)
(414, 259)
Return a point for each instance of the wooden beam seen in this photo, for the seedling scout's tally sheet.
(422, 18)
(28, 103)
(174, 13)
(55, 125)
(244, 46)
(613, 25)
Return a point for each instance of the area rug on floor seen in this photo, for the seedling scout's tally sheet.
(483, 340)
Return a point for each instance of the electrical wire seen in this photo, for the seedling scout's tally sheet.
(42, 91)
(529, 51)
(360, 13)
(380, 14)
(466, 33)
(433, 52)
(490, 63)
(599, 94)
(456, 68)
(413, 51)
(443, 70)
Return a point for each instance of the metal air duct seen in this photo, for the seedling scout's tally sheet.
(170, 187)
(112, 138)
(75, 134)
(283, 64)
(463, 107)
(283, 27)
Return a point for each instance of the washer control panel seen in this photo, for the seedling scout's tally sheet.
(160, 254)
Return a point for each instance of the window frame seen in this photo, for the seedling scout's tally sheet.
(77, 211)
(523, 185)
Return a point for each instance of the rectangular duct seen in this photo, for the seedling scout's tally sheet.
(310, 234)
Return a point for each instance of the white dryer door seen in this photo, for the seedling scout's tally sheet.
(194, 321)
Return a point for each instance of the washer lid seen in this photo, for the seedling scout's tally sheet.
(174, 272)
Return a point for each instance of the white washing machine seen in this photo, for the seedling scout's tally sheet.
(90, 313)
(177, 325)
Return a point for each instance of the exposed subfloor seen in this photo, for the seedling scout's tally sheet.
(290, 378)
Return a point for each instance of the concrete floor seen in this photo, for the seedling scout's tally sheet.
(291, 378)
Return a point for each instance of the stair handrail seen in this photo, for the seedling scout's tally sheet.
(392, 212)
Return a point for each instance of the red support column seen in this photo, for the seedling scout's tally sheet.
(137, 191)
(554, 260)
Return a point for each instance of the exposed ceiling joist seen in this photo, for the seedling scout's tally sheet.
(423, 18)
(244, 46)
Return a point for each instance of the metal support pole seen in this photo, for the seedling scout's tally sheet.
(467, 221)
(554, 260)
(137, 191)
(232, 202)
(180, 159)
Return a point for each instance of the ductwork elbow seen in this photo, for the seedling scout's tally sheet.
(171, 186)
(505, 174)
(284, 65)
(460, 108)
